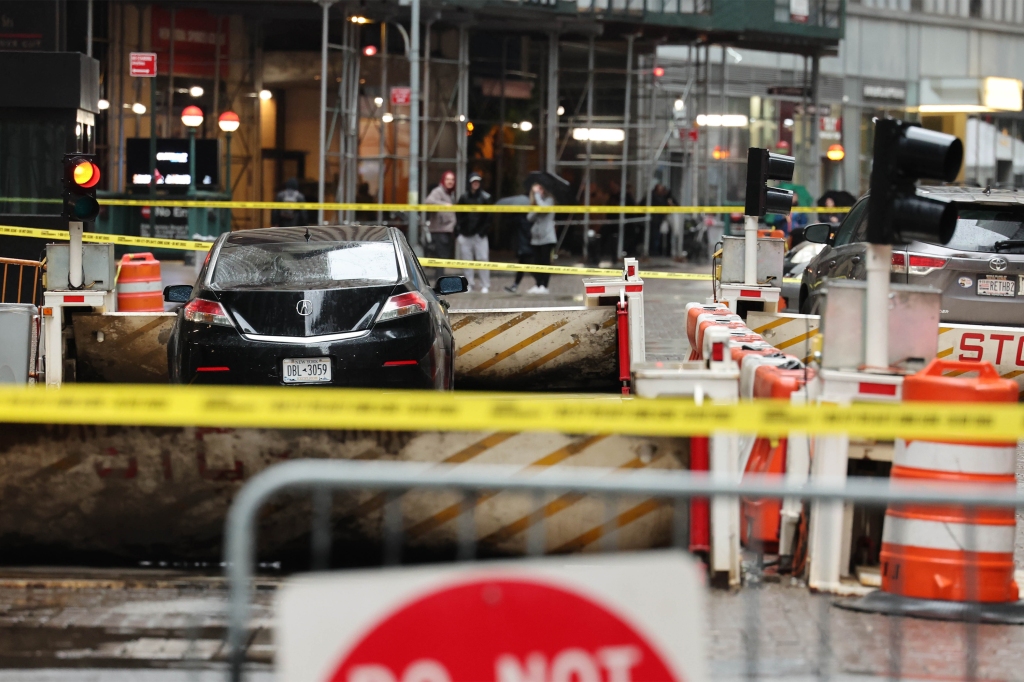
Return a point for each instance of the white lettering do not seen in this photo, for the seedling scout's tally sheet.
(608, 664)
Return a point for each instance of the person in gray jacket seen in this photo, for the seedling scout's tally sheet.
(440, 233)
(542, 235)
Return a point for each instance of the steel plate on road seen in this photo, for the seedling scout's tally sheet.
(306, 370)
(995, 286)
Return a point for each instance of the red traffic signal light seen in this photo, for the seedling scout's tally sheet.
(81, 175)
(658, 71)
(85, 174)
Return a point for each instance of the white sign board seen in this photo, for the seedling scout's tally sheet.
(625, 618)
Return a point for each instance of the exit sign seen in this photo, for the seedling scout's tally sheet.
(142, 64)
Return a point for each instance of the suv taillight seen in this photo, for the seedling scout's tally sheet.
(918, 264)
(403, 305)
(207, 312)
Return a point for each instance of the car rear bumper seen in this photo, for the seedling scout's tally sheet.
(219, 355)
(971, 309)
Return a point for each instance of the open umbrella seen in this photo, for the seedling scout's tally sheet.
(838, 196)
(514, 200)
(555, 184)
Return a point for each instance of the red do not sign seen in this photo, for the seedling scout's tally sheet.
(622, 618)
(506, 631)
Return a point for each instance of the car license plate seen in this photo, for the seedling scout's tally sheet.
(306, 370)
(995, 286)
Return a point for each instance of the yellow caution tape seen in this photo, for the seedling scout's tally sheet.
(423, 208)
(363, 409)
(188, 245)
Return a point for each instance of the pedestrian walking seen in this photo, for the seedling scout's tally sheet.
(472, 230)
(440, 233)
(542, 235)
(524, 250)
(289, 217)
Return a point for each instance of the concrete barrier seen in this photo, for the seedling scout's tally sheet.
(153, 493)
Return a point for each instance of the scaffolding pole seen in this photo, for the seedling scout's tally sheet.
(463, 111)
(625, 143)
(551, 140)
(590, 125)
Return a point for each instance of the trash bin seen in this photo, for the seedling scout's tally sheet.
(19, 340)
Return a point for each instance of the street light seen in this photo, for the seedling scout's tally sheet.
(196, 91)
(266, 94)
(228, 122)
(526, 126)
(192, 118)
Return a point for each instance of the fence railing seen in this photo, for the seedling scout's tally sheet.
(19, 285)
(321, 478)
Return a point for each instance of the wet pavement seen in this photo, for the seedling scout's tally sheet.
(78, 625)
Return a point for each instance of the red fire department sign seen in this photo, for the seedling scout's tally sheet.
(142, 64)
(615, 619)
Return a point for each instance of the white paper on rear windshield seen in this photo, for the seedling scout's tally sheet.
(367, 261)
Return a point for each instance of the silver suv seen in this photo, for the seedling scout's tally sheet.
(980, 272)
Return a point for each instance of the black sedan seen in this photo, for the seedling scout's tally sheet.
(335, 306)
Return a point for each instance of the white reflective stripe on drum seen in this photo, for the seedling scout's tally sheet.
(138, 287)
(956, 457)
(952, 536)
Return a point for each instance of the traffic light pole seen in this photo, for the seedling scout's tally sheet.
(75, 254)
(876, 317)
(750, 223)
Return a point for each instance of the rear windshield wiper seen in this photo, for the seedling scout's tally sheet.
(1008, 244)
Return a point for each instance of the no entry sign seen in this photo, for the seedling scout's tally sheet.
(618, 619)
(142, 64)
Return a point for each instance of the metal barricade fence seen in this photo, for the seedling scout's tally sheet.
(393, 479)
(17, 286)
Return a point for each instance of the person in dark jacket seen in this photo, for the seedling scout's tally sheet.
(287, 217)
(472, 229)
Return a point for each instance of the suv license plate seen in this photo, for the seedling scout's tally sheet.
(306, 370)
(995, 286)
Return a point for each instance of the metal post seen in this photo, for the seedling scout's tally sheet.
(227, 163)
(876, 318)
(216, 72)
(723, 164)
(425, 121)
(750, 250)
(88, 28)
(325, 23)
(551, 140)
(414, 126)
(590, 126)
(152, 134)
(463, 110)
(170, 78)
(499, 147)
(386, 104)
(75, 228)
(191, 161)
(625, 144)
(120, 180)
(814, 155)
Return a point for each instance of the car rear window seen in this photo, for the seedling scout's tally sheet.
(305, 265)
(979, 229)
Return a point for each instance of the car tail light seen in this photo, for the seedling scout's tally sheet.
(918, 264)
(403, 305)
(899, 263)
(207, 312)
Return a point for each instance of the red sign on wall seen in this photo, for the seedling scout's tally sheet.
(401, 96)
(195, 41)
(142, 64)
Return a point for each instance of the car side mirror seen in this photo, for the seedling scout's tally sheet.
(819, 233)
(178, 293)
(454, 284)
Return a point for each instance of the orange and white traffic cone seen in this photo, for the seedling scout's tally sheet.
(945, 552)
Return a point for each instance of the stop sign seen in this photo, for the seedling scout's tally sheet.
(609, 620)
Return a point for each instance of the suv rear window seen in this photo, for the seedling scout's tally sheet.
(979, 229)
(305, 265)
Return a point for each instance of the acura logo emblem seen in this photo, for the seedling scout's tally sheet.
(997, 264)
(305, 306)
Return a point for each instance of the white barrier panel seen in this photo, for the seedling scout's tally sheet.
(618, 618)
(1002, 346)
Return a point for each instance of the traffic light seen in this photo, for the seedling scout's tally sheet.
(905, 152)
(81, 175)
(762, 166)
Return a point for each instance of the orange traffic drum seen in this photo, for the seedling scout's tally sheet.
(139, 289)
